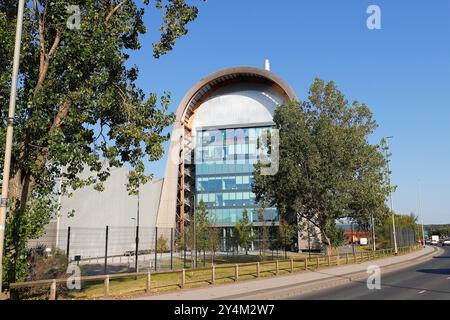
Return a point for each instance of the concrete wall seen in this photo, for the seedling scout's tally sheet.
(112, 207)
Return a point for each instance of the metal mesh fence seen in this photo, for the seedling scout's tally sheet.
(129, 249)
(112, 249)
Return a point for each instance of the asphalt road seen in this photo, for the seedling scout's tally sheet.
(429, 280)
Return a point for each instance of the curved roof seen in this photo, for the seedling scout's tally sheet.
(203, 89)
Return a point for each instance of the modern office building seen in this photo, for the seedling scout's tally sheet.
(214, 147)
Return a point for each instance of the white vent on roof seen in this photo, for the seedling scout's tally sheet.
(267, 64)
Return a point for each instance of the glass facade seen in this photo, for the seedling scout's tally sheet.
(224, 166)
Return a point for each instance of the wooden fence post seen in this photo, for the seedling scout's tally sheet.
(292, 265)
(213, 274)
(346, 258)
(276, 267)
(306, 263)
(53, 290)
(183, 278)
(338, 260)
(148, 282)
(258, 269)
(328, 260)
(106, 286)
(236, 273)
(317, 262)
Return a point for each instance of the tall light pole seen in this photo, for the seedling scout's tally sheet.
(419, 211)
(394, 234)
(9, 133)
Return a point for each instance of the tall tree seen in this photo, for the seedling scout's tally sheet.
(285, 233)
(202, 229)
(78, 103)
(263, 229)
(243, 232)
(327, 168)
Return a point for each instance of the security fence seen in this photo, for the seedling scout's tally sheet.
(405, 237)
(112, 250)
(153, 282)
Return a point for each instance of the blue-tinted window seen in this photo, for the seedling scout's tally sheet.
(224, 166)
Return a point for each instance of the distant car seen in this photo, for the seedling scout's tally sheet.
(434, 242)
(427, 241)
(446, 242)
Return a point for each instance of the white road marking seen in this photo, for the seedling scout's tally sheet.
(423, 291)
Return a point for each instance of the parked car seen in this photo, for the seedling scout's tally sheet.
(446, 242)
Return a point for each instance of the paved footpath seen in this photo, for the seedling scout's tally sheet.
(258, 288)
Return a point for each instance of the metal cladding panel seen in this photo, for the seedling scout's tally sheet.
(168, 202)
(238, 104)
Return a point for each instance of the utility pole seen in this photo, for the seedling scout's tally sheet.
(137, 235)
(137, 213)
(9, 134)
(394, 233)
(419, 211)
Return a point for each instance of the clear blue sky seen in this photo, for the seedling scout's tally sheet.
(402, 72)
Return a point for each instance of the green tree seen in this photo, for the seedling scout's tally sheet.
(263, 229)
(327, 168)
(337, 235)
(78, 104)
(285, 233)
(162, 245)
(202, 229)
(243, 232)
(214, 241)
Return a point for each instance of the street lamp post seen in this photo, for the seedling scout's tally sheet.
(394, 234)
(419, 211)
(9, 133)
(136, 263)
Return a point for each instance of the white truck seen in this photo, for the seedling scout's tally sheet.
(434, 240)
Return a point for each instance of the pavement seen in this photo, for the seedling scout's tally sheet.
(294, 285)
(429, 280)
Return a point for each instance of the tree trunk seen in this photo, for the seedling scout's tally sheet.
(20, 185)
(328, 245)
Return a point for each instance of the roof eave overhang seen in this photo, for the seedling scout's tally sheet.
(202, 89)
